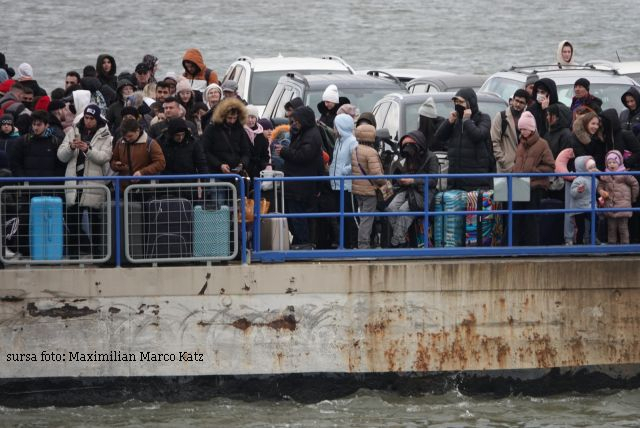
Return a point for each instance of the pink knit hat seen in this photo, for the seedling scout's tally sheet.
(527, 121)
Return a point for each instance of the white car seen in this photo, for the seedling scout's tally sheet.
(627, 68)
(257, 77)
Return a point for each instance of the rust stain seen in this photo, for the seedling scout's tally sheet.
(78, 300)
(67, 311)
(11, 299)
(291, 290)
(246, 287)
(280, 357)
(222, 291)
(203, 323)
(113, 310)
(287, 322)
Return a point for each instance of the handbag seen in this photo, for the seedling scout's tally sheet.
(384, 193)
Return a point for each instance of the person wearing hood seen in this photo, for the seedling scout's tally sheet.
(545, 93)
(616, 138)
(504, 132)
(341, 167)
(259, 143)
(559, 134)
(630, 116)
(580, 194)
(468, 133)
(583, 98)
(302, 158)
(328, 107)
(125, 89)
(86, 149)
(196, 72)
(618, 191)
(532, 155)
(416, 159)
(365, 160)
(564, 53)
(225, 142)
(183, 154)
(106, 69)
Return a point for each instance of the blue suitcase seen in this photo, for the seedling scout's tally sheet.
(46, 228)
(449, 229)
(211, 232)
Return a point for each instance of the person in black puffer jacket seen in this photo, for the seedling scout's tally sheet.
(630, 117)
(35, 154)
(302, 158)
(468, 133)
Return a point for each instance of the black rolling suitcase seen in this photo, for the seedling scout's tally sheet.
(169, 227)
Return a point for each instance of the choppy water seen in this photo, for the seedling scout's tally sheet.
(478, 36)
(364, 409)
(472, 35)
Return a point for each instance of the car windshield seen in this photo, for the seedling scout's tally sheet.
(445, 107)
(264, 82)
(363, 98)
(610, 94)
(504, 88)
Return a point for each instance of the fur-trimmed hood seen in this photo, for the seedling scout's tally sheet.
(225, 106)
(279, 132)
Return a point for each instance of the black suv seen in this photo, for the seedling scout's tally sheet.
(362, 91)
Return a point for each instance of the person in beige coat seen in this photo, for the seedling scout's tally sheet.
(86, 150)
(504, 136)
(366, 161)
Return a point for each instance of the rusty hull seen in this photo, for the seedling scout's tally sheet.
(362, 317)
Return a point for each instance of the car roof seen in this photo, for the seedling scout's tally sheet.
(406, 74)
(622, 67)
(438, 97)
(321, 81)
(296, 63)
(455, 80)
(568, 76)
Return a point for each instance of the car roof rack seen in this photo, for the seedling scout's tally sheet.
(386, 75)
(533, 69)
(340, 60)
(298, 77)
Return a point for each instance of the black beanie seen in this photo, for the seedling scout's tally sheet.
(582, 82)
(176, 125)
(6, 119)
(55, 105)
(129, 110)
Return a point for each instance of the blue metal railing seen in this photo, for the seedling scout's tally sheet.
(383, 253)
(509, 212)
(117, 197)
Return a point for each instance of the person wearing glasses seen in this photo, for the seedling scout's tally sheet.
(505, 134)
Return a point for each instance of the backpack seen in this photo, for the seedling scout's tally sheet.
(328, 139)
(503, 123)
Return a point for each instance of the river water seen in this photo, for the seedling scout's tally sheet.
(478, 36)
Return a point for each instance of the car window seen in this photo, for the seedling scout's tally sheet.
(263, 82)
(610, 94)
(241, 77)
(418, 88)
(505, 88)
(287, 95)
(273, 101)
(380, 112)
(363, 98)
(392, 120)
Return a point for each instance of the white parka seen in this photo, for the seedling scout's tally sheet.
(97, 156)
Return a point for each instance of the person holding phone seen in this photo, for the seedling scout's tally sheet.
(467, 133)
(85, 149)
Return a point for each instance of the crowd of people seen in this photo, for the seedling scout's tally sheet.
(101, 122)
